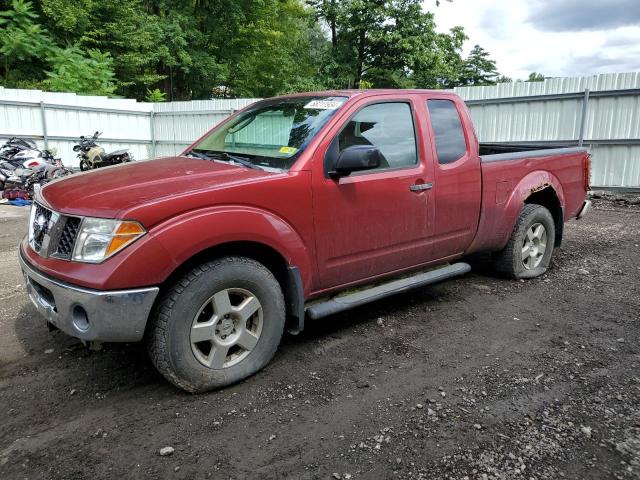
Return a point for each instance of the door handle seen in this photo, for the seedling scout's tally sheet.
(419, 187)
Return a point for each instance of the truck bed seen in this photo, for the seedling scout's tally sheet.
(523, 170)
(494, 152)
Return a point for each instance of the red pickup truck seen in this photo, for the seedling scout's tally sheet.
(295, 207)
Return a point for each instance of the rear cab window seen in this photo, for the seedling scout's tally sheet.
(447, 128)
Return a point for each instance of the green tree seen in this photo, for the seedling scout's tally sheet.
(32, 59)
(329, 11)
(88, 73)
(442, 65)
(504, 79)
(266, 47)
(23, 43)
(479, 69)
(535, 77)
(387, 43)
(155, 96)
(190, 49)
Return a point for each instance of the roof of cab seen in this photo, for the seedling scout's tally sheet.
(366, 92)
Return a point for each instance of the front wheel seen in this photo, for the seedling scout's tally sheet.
(217, 325)
(530, 247)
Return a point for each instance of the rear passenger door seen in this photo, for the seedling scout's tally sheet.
(457, 185)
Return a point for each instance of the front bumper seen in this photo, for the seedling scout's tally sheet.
(90, 315)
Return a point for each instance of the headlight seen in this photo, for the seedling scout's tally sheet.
(100, 238)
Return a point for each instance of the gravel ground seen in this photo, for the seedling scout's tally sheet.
(476, 378)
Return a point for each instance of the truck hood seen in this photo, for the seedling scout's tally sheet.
(112, 191)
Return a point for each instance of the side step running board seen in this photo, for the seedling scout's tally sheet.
(346, 302)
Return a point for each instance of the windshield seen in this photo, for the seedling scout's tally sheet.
(271, 133)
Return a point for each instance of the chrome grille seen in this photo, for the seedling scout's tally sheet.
(68, 237)
(52, 234)
(40, 226)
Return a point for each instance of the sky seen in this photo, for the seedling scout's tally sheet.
(557, 38)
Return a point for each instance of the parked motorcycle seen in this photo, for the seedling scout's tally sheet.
(23, 166)
(22, 152)
(92, 155)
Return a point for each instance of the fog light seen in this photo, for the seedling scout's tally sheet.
(80, 318)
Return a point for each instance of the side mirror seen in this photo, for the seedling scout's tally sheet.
(357, 158)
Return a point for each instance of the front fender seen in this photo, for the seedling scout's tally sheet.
(155, 256)
(193, 232)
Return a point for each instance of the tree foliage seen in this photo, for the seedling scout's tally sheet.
(190, 49)
(23, 42)
(479, 69)
(535, 77)
(75, 70)
(155, 96)
(388, 43)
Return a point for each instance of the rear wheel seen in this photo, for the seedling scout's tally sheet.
(530, 247)
(219, 324)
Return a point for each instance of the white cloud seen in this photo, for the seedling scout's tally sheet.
(514, 33)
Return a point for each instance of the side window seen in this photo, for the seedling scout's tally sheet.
(387, 126)
(450, 143)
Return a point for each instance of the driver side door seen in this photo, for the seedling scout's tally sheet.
(376, 221)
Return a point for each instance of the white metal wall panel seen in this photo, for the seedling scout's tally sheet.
(266, 130)
(613, 118)
(608, 118)
(609, 81)
(125, 120)
(175, 125)
(615, 165)
(178, 124)
(20, 120)
(530, 121)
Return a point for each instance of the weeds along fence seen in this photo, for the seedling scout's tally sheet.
(601, 112)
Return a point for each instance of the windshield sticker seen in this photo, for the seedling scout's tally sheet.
(324, 104)
(288, 150)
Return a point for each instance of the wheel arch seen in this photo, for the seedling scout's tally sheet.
(288, 276)
(538, 187)
(548, 198)
(499, 218)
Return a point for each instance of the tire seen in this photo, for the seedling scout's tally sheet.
(511, 261)
(204, 312)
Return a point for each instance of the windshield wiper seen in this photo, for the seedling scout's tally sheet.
(241, 160)
(201, 155)
(224, 156)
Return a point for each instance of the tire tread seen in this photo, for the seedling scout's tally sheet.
(157, 334)
(504, 260)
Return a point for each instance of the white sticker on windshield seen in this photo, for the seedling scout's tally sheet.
(324, 104)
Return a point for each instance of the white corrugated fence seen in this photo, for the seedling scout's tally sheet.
(601, 112)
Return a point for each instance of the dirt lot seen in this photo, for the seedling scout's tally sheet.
(475, 378)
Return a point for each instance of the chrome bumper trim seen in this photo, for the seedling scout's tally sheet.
(112, 316)
(586, 206)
